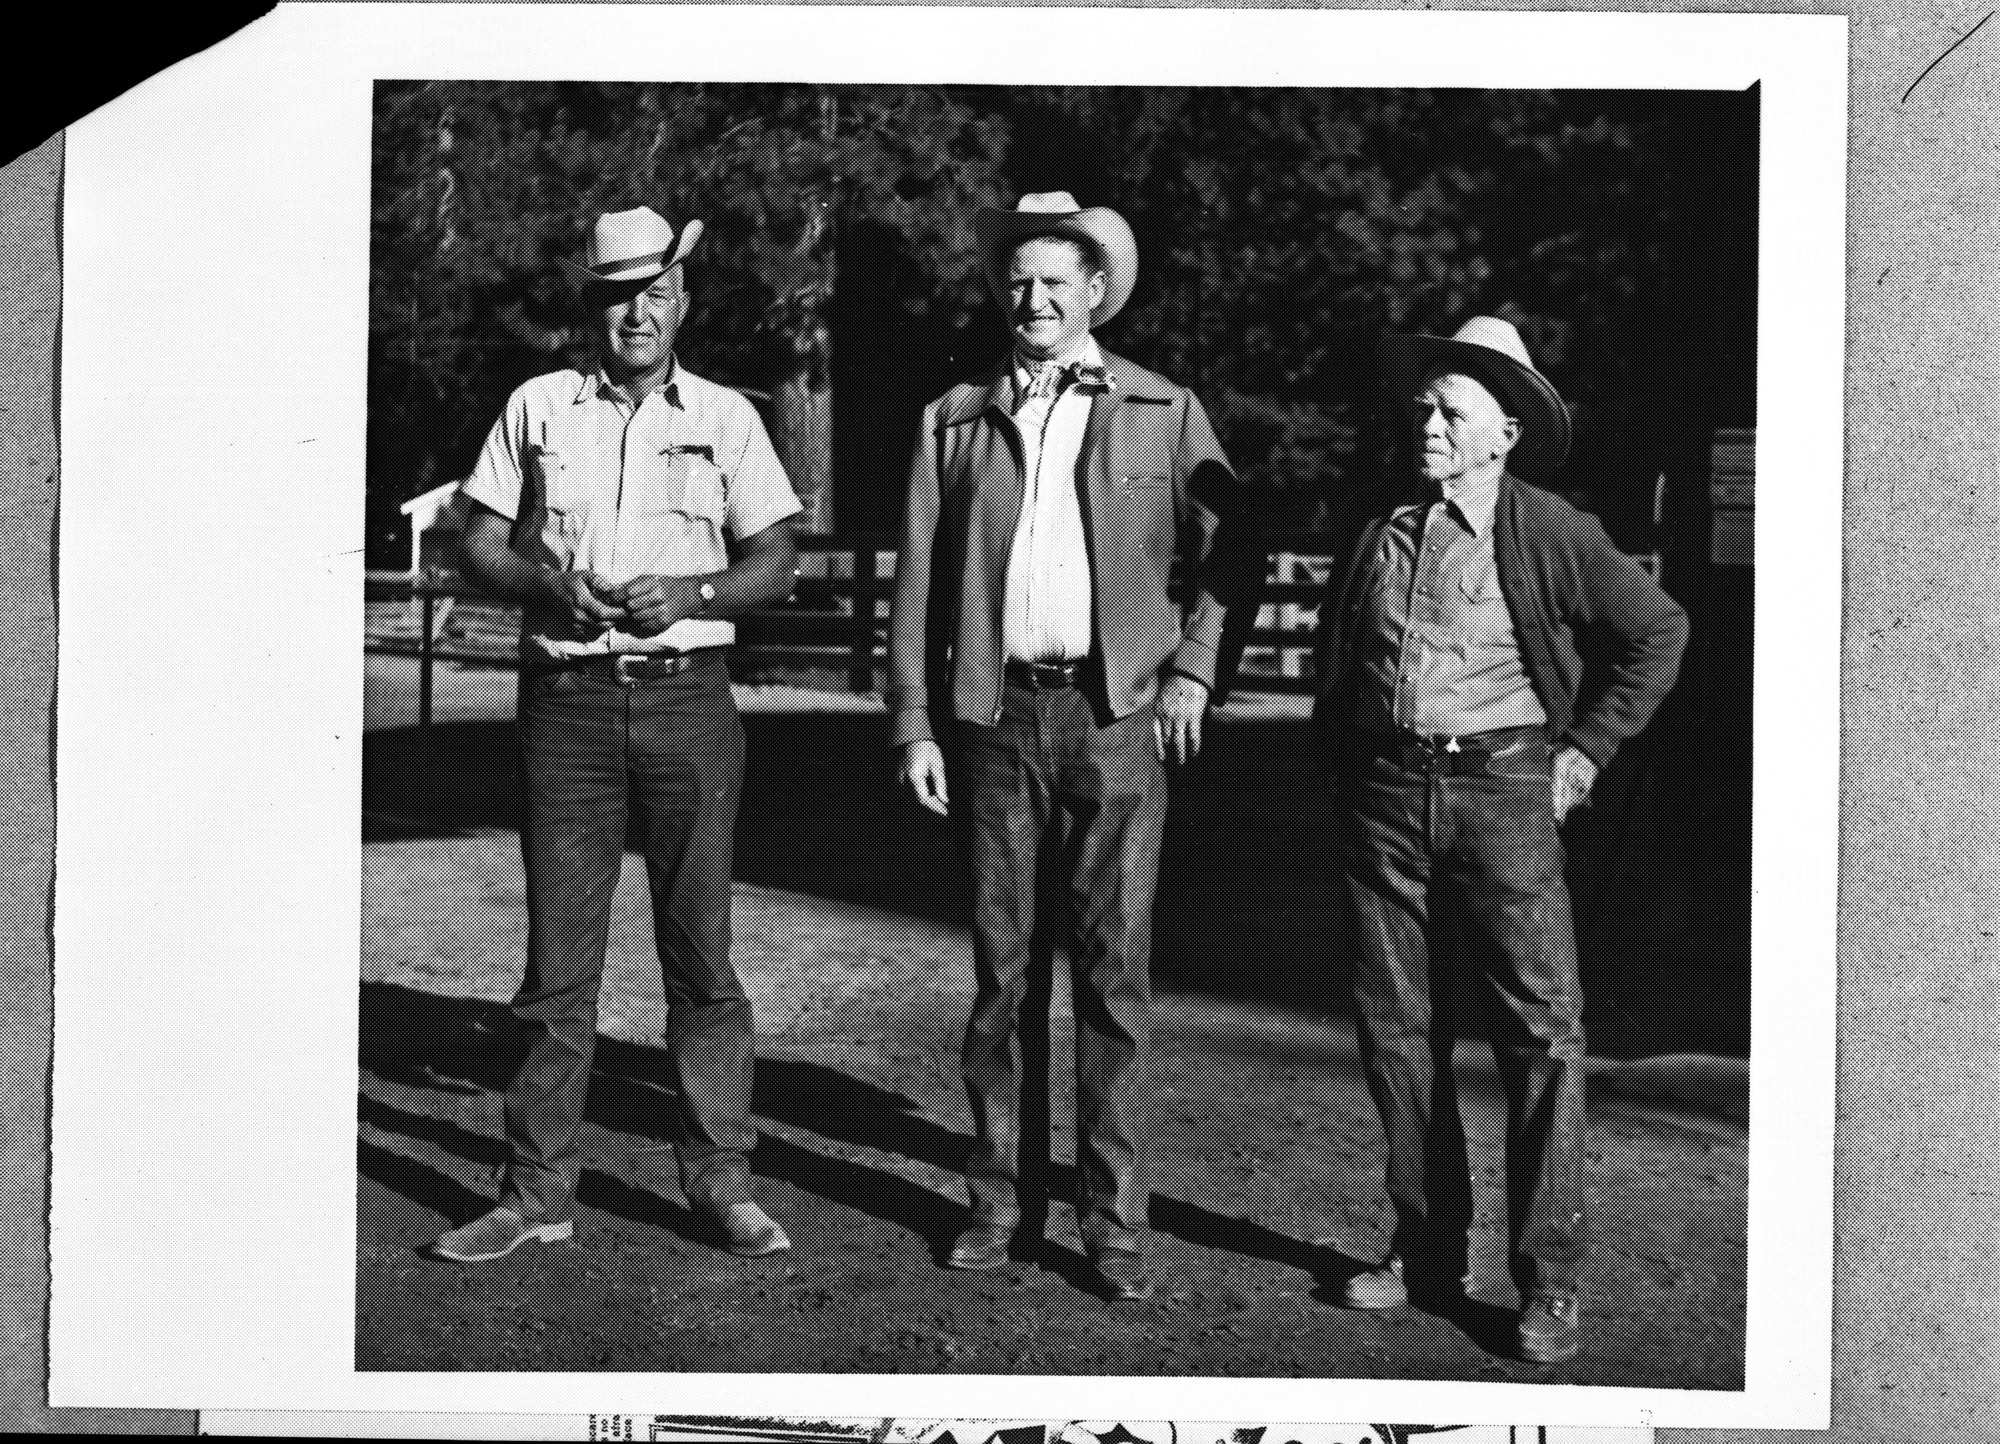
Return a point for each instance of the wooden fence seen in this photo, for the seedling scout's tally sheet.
(835, 623)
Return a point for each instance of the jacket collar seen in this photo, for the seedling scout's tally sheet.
(993, 389)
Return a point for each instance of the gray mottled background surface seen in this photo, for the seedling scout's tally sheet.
(1916, 1356)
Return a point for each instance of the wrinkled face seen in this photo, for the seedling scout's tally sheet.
(639, 319)
(1050, 295)
(1460, 428)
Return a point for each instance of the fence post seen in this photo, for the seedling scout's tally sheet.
(424, 674)
(1288, 617)
(861, 662)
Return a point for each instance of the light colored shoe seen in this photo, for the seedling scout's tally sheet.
(1121, 1275)
(748, 1231)
(1381, 1287)
(497, 1234)
(1549, 1330)
(982, 1246)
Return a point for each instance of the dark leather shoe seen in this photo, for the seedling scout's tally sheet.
(1549, 1330)
(982, 1246)
(1122, 1275)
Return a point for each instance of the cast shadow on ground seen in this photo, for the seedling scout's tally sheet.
(459, 1046)
(1246, 902)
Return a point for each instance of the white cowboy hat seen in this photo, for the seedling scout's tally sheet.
(1055, 213)
(1491, 351)
(634, 245)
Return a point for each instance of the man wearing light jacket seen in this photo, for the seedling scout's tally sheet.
(1071, 539)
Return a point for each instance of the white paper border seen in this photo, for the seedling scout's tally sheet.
(213, 409)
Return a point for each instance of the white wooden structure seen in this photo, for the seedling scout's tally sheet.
(439, 510)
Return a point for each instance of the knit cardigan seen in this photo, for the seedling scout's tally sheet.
(1601, 642)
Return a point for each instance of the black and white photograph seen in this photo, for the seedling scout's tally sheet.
(1040, 731)
(697, 708)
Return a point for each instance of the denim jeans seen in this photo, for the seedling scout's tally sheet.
(671, 753)
(1439, 862)
(1062, 816)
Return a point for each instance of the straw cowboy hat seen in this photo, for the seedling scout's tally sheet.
(1490, 350)
(1055, 213)
(634, 245)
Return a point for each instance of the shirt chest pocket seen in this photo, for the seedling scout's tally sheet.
(683, 487)
(560, 486)
(1483, 604)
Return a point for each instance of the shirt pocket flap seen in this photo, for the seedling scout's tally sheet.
(559, 487)
(690, 483)
(1480, 584)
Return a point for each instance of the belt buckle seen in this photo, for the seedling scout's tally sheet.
(623, 665)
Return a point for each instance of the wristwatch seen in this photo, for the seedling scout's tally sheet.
(707, 598)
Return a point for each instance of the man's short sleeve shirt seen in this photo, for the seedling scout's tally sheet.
(592, 483)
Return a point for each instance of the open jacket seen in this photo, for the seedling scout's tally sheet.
(1601, 642)
(1170, 546)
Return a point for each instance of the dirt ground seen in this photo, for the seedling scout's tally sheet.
(1267, 1172)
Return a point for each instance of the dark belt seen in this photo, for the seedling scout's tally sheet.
(1043, 676)
(630, 669)
(1419, 751)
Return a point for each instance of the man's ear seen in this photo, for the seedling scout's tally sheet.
(1097, 288)
(1510, 427)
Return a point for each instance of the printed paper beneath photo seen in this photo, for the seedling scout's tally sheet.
(675, 1429)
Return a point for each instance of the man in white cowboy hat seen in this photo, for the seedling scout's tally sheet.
(1483, 649)
(1041, 674)
(605, 503)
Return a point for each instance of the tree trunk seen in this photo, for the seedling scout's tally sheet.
(802, 413)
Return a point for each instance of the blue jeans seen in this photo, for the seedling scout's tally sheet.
(1458, 854)
(1062, 817)
(671, 753)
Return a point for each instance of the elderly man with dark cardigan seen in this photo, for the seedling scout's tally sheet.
(1483, 650)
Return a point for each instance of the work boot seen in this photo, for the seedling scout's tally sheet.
(495, 1235)
(1549, 1330)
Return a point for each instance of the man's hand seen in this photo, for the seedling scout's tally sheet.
(655, 603)
(587, 599)
(921, 769)
(1177, 718)
(1572, 774)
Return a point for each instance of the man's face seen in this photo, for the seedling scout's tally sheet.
(639, 320)
(1050, 296)
(1459, 428)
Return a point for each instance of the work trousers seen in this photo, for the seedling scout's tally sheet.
(1061, 818)
(666, 758)
(1458, 853)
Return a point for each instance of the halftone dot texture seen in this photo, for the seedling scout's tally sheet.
(852, 939)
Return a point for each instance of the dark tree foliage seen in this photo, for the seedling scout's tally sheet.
(479, 187)
(1281, 232)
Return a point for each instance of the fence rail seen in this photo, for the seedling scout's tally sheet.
(836, 619)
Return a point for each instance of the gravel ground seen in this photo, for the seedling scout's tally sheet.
(1267, 1168)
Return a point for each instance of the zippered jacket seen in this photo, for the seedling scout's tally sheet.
(1600, 639)
(1169, 540)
